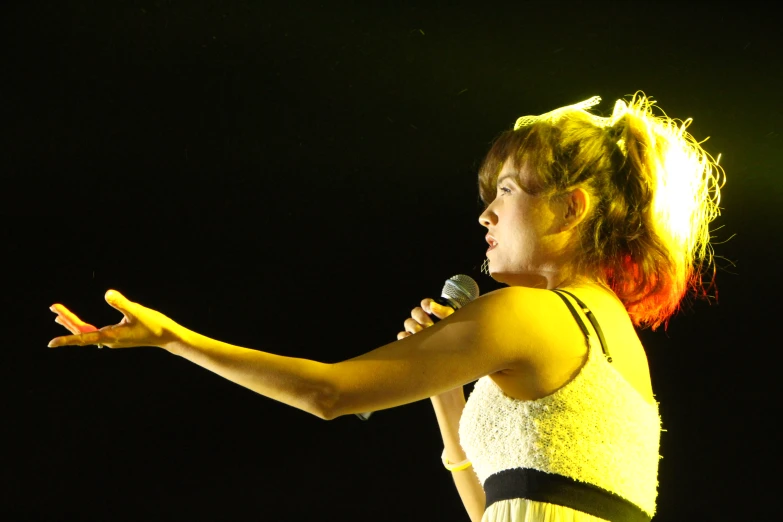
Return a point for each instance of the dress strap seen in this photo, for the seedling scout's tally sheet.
(581, 323)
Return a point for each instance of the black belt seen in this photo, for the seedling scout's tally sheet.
(537, 485)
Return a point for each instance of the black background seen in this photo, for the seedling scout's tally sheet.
(295, 177)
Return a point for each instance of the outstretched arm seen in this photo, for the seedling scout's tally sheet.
(471, 343)
(300, 383)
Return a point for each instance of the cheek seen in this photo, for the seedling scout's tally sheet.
(531, 234)
(523, 243)
(528, 244)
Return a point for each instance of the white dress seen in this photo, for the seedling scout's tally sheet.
(596, 430)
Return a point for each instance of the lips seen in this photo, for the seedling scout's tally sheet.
(492, 242)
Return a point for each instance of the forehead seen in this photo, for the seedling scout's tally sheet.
(513, 172)
(519, 172)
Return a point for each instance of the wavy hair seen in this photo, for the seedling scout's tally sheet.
(655, 191)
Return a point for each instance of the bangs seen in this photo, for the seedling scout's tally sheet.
(523, 147)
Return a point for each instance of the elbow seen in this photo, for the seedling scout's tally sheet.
(330, 399)
(325, 403)
(331, 407)
(326, 415)
(315, 404)
(325, 409)
(332, 402)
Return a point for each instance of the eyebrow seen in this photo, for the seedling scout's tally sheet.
(504, 177)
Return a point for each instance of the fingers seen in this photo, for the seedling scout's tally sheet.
(85, 334)
(418, 321)
(110, 336)
(64, 314)
(438, 310)
(70, 320)
(421, 317)
(412, 326)
(70, 327)
(77, 340)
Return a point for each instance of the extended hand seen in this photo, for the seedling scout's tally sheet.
(140, 326)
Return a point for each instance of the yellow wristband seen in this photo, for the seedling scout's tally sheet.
(459, 466)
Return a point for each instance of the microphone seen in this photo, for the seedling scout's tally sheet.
(457, 291)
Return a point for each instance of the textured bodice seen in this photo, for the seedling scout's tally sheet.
(596, 429)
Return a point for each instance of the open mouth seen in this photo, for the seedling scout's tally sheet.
(492, 242)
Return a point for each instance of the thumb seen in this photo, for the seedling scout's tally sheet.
(440, 311)
(118, 301)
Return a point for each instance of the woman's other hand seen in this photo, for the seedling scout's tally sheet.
(419, 319)
(140, 326)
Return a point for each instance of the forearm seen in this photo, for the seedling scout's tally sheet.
(300, 383)
(448, 410)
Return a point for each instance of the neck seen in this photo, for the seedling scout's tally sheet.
(544, 280)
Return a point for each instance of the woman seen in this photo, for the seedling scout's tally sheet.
(589, 219)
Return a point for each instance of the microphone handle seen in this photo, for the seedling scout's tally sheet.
(441, 301)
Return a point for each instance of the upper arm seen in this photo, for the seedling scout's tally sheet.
(498, 331)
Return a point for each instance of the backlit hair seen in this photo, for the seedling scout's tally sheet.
(655, 191)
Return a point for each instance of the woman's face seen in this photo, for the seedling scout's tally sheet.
(524, 233)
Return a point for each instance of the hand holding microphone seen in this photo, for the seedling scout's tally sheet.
(457, 292)
(423, 316)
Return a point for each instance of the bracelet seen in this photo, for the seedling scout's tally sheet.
(459, 466)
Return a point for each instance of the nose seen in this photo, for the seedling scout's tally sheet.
(488, 218)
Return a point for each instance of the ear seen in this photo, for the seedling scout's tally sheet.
(576, 205)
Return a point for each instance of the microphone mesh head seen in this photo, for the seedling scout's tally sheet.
(460, 290)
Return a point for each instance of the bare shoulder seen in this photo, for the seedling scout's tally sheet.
(628, 355)
(528, 324)
(556, 348)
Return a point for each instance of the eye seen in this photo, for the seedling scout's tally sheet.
(504, 190)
